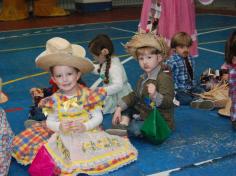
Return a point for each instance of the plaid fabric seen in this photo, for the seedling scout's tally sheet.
(6, 136)
(27, 143)
(232, 92)
(180, 74)
(89, 99)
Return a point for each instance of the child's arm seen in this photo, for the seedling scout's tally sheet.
(116, 78)
(53, 122)
(95, 120)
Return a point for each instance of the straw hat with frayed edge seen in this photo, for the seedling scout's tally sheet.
(59, 51)
(226, 110)
(147, 40)
(3, 97)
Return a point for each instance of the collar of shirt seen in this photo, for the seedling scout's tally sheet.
(153, 74)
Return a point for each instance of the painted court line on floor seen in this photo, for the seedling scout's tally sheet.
(201, 163)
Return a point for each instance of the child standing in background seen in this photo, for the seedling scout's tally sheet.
(74, 113)
(182, 65)
(230, 58)
(153, 86)
(174, 16)
(111, 70)
(150, 15)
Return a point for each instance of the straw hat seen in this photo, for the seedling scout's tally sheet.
(61, 52)
(3, 97)
(149, 40)
(226, 110)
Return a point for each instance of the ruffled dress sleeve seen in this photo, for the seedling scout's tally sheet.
(48, 105)
(95, 99)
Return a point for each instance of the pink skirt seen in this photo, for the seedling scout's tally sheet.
(178, 16)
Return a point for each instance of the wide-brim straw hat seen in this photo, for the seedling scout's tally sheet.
(147, 40)
(3, 97)
(59, 51)
(226, 110)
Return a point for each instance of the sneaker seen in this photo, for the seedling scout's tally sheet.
(117, 132)
(118, 129)
(202, 104)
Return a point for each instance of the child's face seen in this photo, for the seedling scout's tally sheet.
(183, 51)
(66, 78)
(149, 62)
(234, 60)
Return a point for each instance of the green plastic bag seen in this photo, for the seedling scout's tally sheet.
(155, 128)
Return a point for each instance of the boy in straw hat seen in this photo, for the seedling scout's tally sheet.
(153, 86)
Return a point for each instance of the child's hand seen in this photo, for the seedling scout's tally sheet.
(117, 116)
(36, 92)
(65, 126)
(152, 91)
(78, 126)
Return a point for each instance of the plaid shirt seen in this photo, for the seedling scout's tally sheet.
(180, 74)
(232, 91)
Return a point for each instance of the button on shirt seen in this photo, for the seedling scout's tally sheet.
(181, 77)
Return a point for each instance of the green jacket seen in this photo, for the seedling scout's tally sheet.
(165, 86)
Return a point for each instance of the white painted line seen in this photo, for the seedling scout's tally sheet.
(99, 80)
(168, 172)
(224, 29)
(213, 51)
(124, 30)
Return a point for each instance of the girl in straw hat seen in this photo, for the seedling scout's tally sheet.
(27, 143)
(74, 113)
(111, 71)
(153, 86)
(230, 58)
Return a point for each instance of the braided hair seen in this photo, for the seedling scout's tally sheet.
(96, 46)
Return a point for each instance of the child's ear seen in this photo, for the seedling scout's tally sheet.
(105, 51)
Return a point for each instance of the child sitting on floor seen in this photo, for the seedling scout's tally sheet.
(153, 86)
(74, 113)
(111, 71)
(182, 65)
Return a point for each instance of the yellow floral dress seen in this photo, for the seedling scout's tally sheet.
(92, 152)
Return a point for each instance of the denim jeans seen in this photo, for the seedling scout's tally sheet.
(135, 124)
(185, 97)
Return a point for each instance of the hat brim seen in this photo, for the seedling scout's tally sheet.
(77, 50)
(50, 60)
(3, 97)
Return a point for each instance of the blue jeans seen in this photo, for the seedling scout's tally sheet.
(135, 124)
(185, 97)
